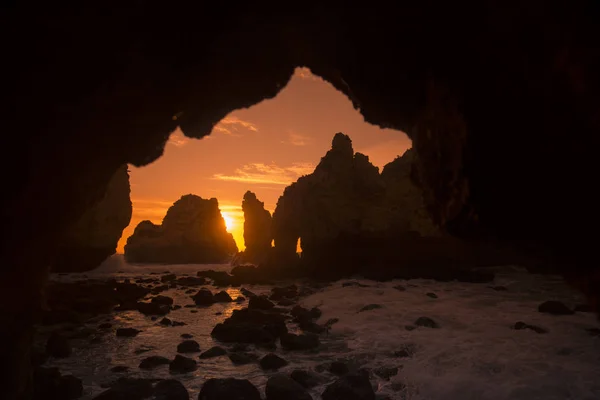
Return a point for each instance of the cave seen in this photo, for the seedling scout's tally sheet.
(500, 100)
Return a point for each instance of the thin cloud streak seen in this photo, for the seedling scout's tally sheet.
(270, 174)
(178, 139)
(232, 125)
(295, 139)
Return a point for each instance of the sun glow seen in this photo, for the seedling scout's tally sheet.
(229, 221)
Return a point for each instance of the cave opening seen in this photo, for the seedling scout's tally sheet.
(472, 92)
(262, 149)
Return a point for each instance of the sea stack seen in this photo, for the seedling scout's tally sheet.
(192, 232)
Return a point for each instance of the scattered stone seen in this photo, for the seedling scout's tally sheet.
(170, 389)
(250, 326)
(247, 293)
(127, 332)
(386, 373)
(353, 386)
(400, 288)
(187, 335)
(142, 349)
(182, 364)
(338, 368)
(288, 292)
(304, 378)
(58, 346)
(240, 358)
(555, 308)
(222, 297)
(522, 325)
(119, 368)
(281, 387)
(240, 299)
(191, 281)
(178, 323)
(410, 327)
(369, 307)
(215, 351)
(166, 300)
(168, 278)
(272, 362)
(432, 295)
(260, 303)
(204, 297)
(426, 322)
(166, 321)
(127, 389)
(106, 325)
(153, 308)
(229, 388)
(188, 346)
(290, 341)
(153, 362)
(499, 288)
(239, 347)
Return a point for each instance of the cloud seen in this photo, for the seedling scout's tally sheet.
(268, 173)
(305, 73)
(295, 139)
(178, 139)
(232, 125)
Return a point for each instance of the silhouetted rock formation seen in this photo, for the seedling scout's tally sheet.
(193, 231)
(345, 212)
(488, 115)
(257, 230)
(95, 236)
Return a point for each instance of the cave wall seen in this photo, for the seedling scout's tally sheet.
(94, 237)
(500, 99)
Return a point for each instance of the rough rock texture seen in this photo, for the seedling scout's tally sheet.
(193, 231)
(501, 100)
(346, 195)
(257, 230)
(345, 212)
(94, 238)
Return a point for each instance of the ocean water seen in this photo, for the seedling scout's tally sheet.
(473, 355)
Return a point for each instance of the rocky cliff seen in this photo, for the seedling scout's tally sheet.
(94, 237)
(346, 210)
(193, 231)
(257, 230)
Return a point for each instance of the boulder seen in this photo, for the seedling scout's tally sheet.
(250, 326)
(353, 386)
(272, 362)
(170, 389)
(282, 387)
(192, 231)
(182, 364)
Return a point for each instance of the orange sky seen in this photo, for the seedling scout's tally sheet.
(263, 149)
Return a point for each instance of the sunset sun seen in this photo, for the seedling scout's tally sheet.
(229, 221)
